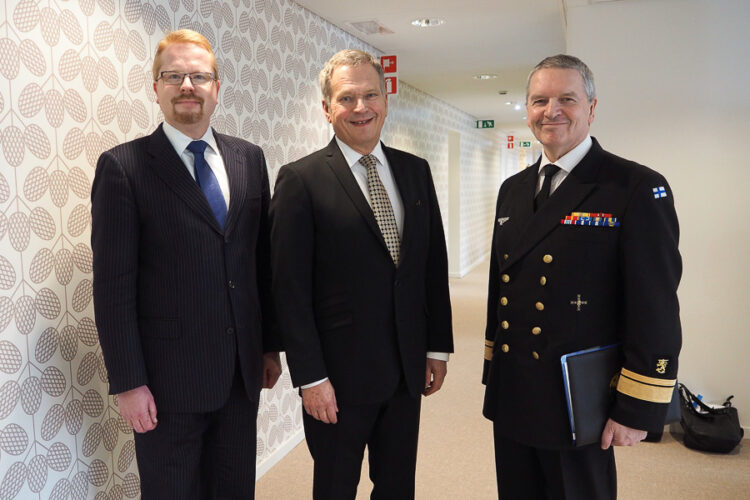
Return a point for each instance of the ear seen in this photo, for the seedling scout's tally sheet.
(155, 92)
(326, 111)
(218, 86)
(591, 111)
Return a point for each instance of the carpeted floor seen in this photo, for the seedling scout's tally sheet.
(456, 459)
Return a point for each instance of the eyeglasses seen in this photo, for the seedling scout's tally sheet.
(176, 78)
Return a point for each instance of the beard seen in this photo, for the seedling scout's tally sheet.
(188, 117)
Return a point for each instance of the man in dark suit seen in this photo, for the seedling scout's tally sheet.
(584, 254)
(180, 235)
(360, 283)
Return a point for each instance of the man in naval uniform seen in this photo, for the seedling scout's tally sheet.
(584, 254)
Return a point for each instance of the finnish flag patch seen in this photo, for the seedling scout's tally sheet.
(660, 192)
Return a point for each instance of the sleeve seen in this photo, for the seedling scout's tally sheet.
(114, 241)
(271, 335)
(292, 261)
(492, 298)
(651, 268)
(439, 323)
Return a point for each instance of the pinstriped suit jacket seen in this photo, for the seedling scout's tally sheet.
(177, 299)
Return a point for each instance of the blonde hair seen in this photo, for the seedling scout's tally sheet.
(183, 36)
(347, 57)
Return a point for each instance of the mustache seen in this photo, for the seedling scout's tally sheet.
(192, 97)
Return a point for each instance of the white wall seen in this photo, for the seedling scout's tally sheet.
(672, 79)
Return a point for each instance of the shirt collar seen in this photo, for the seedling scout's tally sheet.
(352, 157)
(180, 141)
(570, 159)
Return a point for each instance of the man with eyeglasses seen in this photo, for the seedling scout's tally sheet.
(180, 237)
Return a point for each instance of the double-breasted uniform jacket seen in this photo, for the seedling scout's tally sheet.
(346, 312)
(558, 288)
(177, 298)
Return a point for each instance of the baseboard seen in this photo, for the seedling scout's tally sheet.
(463, 272)
(279, 453)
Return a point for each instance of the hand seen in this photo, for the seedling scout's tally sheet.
(138, 409)
(434, 375)
(320, 402)
(615, 434)
(271, 369)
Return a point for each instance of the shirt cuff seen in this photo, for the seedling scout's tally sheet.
(441, 356)
(313, 384)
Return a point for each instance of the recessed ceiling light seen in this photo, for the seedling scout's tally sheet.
(508, 103)
(371, 28)
(487, 76)
(517, 107)
(427, 22)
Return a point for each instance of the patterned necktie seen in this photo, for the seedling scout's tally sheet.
(381, 208)
(548, 171)
(208, 183)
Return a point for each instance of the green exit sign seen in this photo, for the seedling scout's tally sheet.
(525, 144)
(485, 123)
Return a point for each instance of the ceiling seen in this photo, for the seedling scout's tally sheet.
(501, 37)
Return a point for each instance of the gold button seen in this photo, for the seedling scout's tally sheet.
(534, 354)
(539, 306)
(505, 278)
(543, 280)
(505, 256)
(505, 325)
(503, 301)
(536, 330)
(505, 347)
(547, 259)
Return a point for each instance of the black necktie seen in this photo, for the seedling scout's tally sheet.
(548, 172)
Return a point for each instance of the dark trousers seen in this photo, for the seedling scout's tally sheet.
(201, 455)
(528, 473)
(389, 430)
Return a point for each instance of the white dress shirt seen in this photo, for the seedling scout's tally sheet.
(567, 163)
(212, 156)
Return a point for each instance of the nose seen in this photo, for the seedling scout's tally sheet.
(552, 108)
(187, 84)
(359, 104)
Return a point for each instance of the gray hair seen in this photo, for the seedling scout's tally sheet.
(564, 61)
(347, 57)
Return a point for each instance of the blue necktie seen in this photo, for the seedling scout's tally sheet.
(207, 181)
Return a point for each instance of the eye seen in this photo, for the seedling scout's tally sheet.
(372, 95)
(345, 98)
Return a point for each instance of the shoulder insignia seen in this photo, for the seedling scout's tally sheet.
(660, 192)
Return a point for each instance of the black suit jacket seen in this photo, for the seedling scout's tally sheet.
(177, 299)
(345, 311)
(627, 275)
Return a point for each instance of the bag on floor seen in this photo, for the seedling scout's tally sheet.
(706, 428)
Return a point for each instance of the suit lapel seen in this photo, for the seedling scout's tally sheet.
(166, 163)
(406, 191)
(573, 190)
(237, 174)
(337, 163)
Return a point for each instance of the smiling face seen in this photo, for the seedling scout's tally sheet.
(558, 112)
(187, 107)
(358, 106)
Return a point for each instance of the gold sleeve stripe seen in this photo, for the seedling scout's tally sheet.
(489, 343)
(488, 352)
(648, 380)
(645, 392)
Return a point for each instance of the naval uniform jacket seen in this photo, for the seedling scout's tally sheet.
(346, 312)
(177, 298)
(556, 289)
